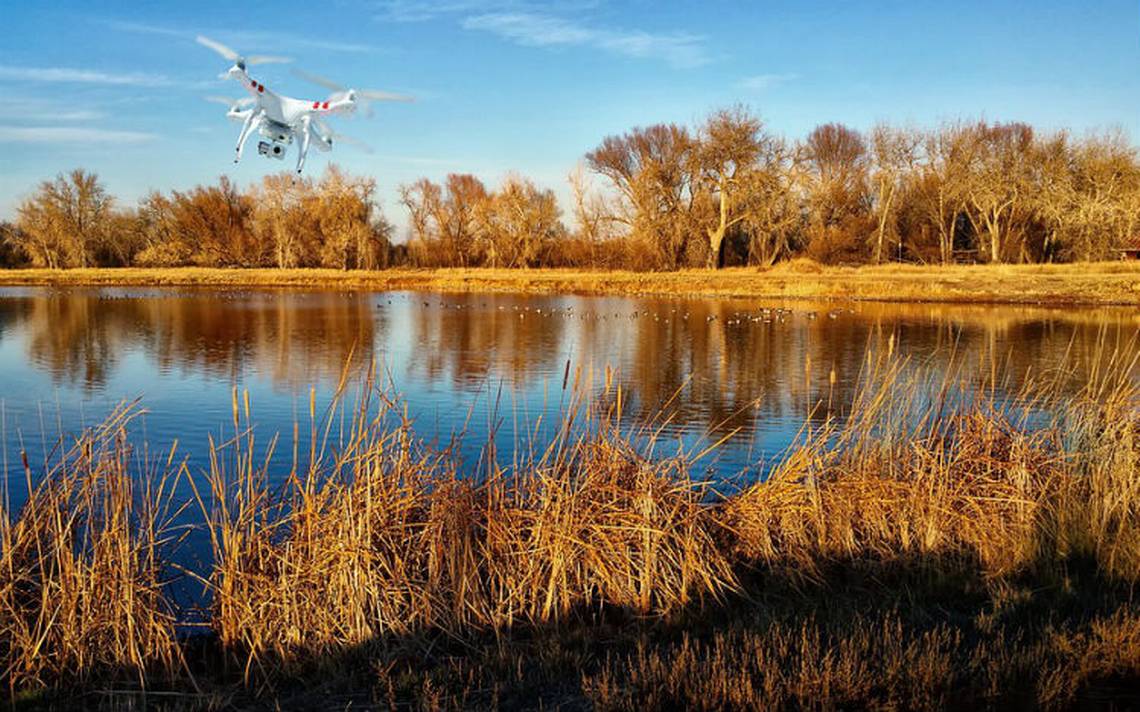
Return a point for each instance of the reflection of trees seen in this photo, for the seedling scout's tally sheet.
(727, 356)
(467, 337)
(296, 339)
(68, 337)
(722, 356)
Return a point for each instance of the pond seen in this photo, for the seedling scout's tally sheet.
(488, 365)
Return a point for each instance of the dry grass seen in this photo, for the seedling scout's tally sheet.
(1084, 283)
(931, 550)
(83, 568)
(383, 538)
(875, 661)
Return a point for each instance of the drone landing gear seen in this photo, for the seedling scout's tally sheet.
(246, 128)
(304, 148)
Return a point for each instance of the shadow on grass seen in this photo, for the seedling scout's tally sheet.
(912, 632)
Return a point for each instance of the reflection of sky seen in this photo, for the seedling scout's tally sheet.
(483, 364)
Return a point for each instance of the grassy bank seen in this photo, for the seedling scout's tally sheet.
(931, 551)
(1089, 283)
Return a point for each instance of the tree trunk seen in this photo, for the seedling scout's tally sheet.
(716, 237)
(716, 250)
(883, 226)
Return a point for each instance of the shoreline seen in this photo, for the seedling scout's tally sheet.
(1089, 284)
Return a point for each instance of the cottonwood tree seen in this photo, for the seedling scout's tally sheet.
(421, 199)
(773, 217)
(654, 170)
(163, 246)
(893, 153)
(998, 183)
(215, 224)
(1106, 181)
(941, 183)
(728, 146)
(517, 222)
(593, 216)
(11, 252)
(443, 218)
(455, 215)
(65, 221)
(284, 219)
(352, 235)
(835, 176)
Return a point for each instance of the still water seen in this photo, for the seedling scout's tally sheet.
(488, 365)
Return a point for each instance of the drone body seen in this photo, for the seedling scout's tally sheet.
(282, 119)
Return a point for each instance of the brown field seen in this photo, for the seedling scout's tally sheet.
(1076, 284)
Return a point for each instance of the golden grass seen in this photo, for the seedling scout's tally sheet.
(872, 661)
(895, 559)
(83, 568)
(384, 538)
(1084, 283)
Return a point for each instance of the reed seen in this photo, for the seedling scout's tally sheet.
(84, 565)
(382, 537)
(916, 471)
(942, 544)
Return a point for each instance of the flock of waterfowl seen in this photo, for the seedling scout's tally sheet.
(763, 315)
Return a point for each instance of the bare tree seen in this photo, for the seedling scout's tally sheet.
(835, 176)
(422, 199)
(654, 171)
(998, 181)
(283, 219)
(66, 220)
(942, 182)
(517, 222)
(773, 217)
(11, 250)
(728, 146)
(455, 215)
(893, 154)
(1106, 178)
(345, 215)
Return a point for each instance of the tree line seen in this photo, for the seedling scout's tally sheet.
(727, 191)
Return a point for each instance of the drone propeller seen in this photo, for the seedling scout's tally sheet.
(231, 103)
(328, 133)
(363, 96)
(232, 56)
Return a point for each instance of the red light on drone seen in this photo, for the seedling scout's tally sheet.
(325, 105)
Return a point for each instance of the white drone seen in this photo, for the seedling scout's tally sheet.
(280, 119)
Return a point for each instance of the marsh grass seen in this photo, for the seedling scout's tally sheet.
(84, 565)
(942, 545)
(383, 537)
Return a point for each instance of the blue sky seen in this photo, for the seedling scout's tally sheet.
(506, 85)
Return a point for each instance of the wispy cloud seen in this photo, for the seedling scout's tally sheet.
(533, 29)
(761, 82)
(245, 39)
(39, 110)
(69, 134)
(423, 10)
(72, 75)
(558, 24)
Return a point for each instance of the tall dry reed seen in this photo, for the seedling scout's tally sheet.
(381, 536)
(373, 535)
(84, 564)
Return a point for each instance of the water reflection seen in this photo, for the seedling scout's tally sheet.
(753, 365)
(79, 337)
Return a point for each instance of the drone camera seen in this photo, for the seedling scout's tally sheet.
(271, 149)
